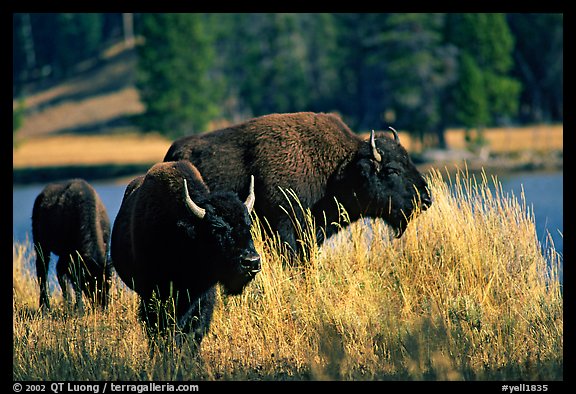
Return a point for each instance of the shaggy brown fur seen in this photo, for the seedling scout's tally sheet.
(164, 251)
(69, 220)
(315, 155)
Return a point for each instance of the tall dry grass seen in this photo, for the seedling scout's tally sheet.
(465, 294)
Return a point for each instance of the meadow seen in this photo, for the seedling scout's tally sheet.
(467, 293)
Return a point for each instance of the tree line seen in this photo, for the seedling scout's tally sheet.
(420, 72)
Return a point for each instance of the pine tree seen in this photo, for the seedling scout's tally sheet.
(470, 94)
(273, 58)
(538, 55)
(485, 44)
(173, 74)
(419, 66)
(77, 38)
(364, 91)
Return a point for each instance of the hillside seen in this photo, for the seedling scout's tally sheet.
(82, 127)
(92, 101)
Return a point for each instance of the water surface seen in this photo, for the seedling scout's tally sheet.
(543, 192)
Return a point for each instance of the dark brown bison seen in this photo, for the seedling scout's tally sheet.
(320, 159)
(69, 220)
(173, 241)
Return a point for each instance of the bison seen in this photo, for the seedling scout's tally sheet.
(321, 160)
(69, 220)
(173, 241)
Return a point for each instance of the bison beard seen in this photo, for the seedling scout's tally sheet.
(318, 158)
(173, 241)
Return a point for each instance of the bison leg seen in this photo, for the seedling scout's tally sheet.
(178, 318)
(78, 280)
(153, 313)
(62, 275)
(104, 291)
(158, 316)
(301, 240)
(147, 316)
(42, 264)
(96, 284)
(106, 285)
(194, 317)
(287, 234)
(70, 267)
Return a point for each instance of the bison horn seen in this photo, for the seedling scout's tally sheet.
(195, 209)
(396, 138)
(377, 155)
(251, 196)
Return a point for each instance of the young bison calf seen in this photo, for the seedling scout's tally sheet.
(69, 220)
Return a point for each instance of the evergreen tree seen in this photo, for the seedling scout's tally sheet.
(23, 53)
(318, 35)
(485, 44)
(363, 91)
(77, 38)
(228, 70)
(173, 74)
(273, 55)
(50, 45)
(419, 66)
(470, 94)
(275, 63)
(538, 55)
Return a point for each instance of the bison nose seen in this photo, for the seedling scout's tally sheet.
(251, 263)
(426, 201)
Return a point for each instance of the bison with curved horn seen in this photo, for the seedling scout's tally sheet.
(69, 220)
(321, 160)
(173, 241)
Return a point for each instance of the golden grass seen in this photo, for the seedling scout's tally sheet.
(541, 138)
(506, 140)
(465, 294)
(90, 149)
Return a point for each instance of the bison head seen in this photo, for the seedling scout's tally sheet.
(389, 186)
(224, 230)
